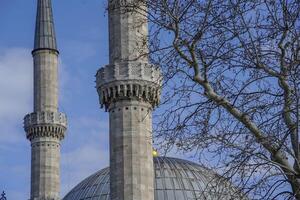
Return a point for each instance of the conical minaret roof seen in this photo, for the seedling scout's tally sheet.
(44, 30)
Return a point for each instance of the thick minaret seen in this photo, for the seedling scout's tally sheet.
(46, 126)
(129, 89)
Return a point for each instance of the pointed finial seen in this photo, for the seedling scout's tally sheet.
(44, 29)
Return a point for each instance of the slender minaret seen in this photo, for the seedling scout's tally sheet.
(129, 89)
(45, 127)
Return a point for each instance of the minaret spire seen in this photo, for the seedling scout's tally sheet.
(44, 29)
(46, 126)
(129, 89)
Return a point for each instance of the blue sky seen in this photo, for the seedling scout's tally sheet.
(81, 29)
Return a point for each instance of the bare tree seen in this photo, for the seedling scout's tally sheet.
(231, 88)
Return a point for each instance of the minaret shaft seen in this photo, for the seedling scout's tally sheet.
(45, 81)
(46, 126)
(131, 161)
(45, 172)
(128, 31)
(129, 89)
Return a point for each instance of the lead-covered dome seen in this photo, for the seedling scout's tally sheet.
(175, 179)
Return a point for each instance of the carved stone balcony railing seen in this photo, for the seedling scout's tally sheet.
(45, 124)
(129, 71)
(129, 80)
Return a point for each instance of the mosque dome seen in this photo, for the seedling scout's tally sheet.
(175, 179)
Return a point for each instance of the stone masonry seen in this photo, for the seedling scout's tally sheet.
(46, 126)
(129, 89)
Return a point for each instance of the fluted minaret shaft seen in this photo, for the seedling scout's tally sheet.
(46, 126)
(129, 89)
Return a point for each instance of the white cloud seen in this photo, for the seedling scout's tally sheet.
(15, 91)
(15, 102)
(15, 82)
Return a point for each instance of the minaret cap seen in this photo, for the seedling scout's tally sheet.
(44, 29)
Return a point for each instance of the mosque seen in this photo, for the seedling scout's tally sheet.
(129, 89)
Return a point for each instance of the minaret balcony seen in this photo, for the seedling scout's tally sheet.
(45, 124)
(129, 81)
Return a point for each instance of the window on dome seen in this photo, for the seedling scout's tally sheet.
(179, 195)
(103, 197)
(190, 195)
(183, 174)
(95, 198)
(105, 189)
(169, 184)
(170, 194)
(187, 184)
(91, 191)
(195, 184)
(176, 183)
(159, 183)
(190, 174)
(198, 194)
(158, 173)
(160, 195)
(99, 189)
(167, 173)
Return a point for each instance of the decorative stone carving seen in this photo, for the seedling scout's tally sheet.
(45, 124)
(129, 80)
(129, 70)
